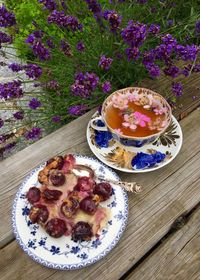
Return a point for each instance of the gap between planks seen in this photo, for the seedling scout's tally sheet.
(177, 257)
(149, 181)
(148, 223)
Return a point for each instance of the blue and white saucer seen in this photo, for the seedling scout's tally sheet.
(150, 157)
(63, 253)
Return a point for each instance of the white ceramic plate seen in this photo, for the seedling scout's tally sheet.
(169, 144)
(64, 253)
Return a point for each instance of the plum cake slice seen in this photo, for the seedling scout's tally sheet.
(69, 204)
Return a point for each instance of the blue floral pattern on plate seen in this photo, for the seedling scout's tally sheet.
(123, 157)
(144, 160)
(63, 253)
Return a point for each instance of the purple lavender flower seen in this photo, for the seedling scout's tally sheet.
(170, 22)
(65, 47)
(80, 77)
(34, 104)
(118, 55)
(62, 20)
(148, 57)
(11, 90)
(73, 24)
(169, 40)
(7, 18)
(105, 62)
(15, 67)
(113, 18)
(34, 133)
(132, 53)
(50, 43)
(177, 89)
(56, 119)
(80, 46)
(94, 7)
(84, 84)
(187, 52)
(92, 80)
(57, 17)
(197, 27)
(38, 34)
(134, 33)
(186, 70)
(53, 84)
(172, 71)
(5, 38)
(153, 69)
(106, 86)
(80, 90)
(62, 2)
(18, 115)
(1, 122)
(49, 4)
(154, 29)
(163, 52)
(30, 39)
(41, 51)
(33, 71)
(9, 146)
(196, 68)
(77, 110)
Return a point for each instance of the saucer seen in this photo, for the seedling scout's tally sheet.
(148, 158)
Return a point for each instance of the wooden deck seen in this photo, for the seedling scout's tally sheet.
(162, 238)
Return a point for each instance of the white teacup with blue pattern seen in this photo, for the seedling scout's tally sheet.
(145, 97)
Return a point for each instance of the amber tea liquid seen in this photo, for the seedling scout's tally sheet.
(114, 118)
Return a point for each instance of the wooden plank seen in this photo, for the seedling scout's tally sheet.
(177, 258)
(191, 93)
(151, 215)
(69, 138)
(15, 168)
(22, 163)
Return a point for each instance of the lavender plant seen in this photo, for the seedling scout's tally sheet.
(77, 52)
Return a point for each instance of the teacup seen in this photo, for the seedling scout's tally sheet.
(146, 98)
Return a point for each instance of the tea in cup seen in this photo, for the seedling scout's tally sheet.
(135, 116)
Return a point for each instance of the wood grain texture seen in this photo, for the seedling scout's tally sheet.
(60, 141)
(191, 93)
(168, 193)
(177, 258)
(69, 138)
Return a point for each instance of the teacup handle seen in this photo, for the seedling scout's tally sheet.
(96, 127)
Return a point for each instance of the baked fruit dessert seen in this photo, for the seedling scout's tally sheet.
(67, 203)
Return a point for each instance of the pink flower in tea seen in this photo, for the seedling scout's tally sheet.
(141, 119)
(158, 124)
(120, 102)
(147, 101)
(130, 121)
(159, 111)
(135, 119)
(118, 130)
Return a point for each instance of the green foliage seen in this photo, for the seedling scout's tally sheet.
(97, 41)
